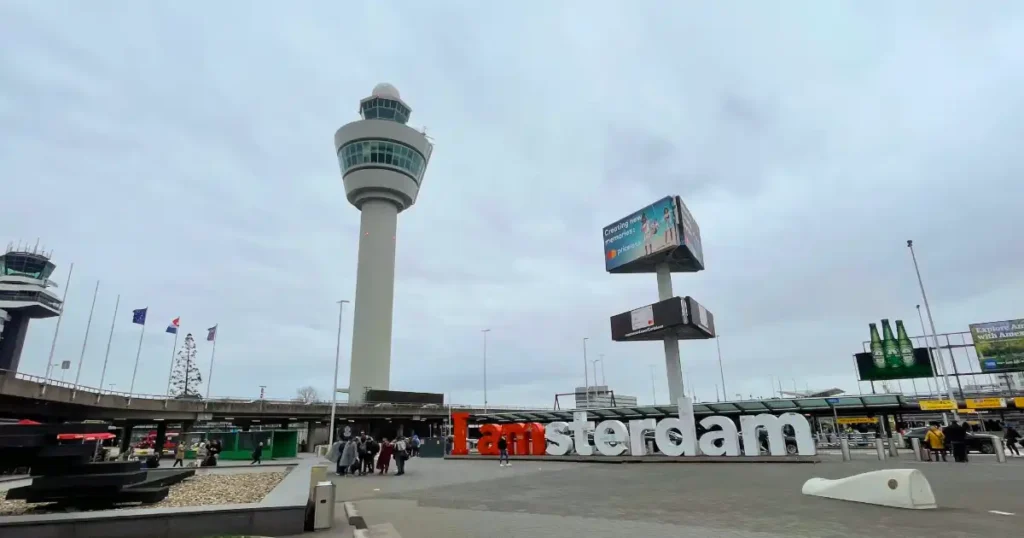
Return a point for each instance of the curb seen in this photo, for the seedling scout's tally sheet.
(354, 519)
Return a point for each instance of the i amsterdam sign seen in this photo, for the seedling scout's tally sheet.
(614, 438)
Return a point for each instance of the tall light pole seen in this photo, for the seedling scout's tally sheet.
(931, 321)
(594, 362)
(604, 381)
(654, 394)
(721, 371)
(586, 373)
(337, 359)
(485, 331)
(935, 371)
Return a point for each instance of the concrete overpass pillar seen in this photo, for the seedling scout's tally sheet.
(126, 438)
(161, 438)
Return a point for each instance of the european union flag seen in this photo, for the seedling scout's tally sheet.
(139, 316)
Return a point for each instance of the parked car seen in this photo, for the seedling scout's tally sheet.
(976, 442)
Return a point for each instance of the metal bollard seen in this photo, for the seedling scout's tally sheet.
(915, 445)
(880, 448)
(997, 444)
(899, 439)
(894, 449)
(844, 447)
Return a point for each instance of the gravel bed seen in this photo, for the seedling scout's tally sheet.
(199, 490)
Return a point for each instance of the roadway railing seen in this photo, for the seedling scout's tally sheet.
(44, 382)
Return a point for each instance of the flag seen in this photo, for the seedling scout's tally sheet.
(173, 327)
(211, 334)
(139, 316)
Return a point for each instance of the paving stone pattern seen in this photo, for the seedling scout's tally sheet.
(452, 499)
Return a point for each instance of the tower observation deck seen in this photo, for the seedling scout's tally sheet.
(382, 165)
(24, 279)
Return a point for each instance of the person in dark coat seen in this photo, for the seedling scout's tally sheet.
(257, 454)
(1011, 438)
(956, 434)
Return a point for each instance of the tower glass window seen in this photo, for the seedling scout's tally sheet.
(379, 108)
(15, 264)
(386, 152)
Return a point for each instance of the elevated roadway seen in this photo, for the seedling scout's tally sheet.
(28, 396)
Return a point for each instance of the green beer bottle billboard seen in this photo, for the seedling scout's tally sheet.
(890, 348)
(877, 354)
(905, 345)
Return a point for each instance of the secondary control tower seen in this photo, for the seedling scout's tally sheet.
(24, 279)
(382, 164)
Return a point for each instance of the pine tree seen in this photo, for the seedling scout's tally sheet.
(186, 379)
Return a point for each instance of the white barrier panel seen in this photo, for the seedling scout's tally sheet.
(898, 488)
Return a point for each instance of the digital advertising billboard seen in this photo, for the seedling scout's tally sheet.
(681, 317)
(892, 355)
(1000, 345)
(663, 232)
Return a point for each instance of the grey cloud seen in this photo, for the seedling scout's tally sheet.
(187, 163)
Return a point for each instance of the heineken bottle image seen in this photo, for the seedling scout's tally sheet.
(905, 345)
(877, 354)
(890, 348)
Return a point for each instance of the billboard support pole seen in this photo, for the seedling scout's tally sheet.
(673, 365)
(935, 338)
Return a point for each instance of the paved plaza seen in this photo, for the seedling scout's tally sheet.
(449, 499)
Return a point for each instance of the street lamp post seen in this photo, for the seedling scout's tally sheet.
(337, 359)
(721, 371)
(931, 357)
(485, 331)
(931, 321)
(604, 380)
(654, 394)
(586, 373)
(594, 362)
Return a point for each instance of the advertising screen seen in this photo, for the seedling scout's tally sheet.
(652, 230)
(1000, 345)
(870, 370)
(691, 232)
(681, 317)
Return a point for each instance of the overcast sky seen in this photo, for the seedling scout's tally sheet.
(181, 153)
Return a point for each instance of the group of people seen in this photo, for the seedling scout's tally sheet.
(953, 438)
(363, 454)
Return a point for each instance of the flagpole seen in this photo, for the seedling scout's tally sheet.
(88, 325)
(110, 339)
(171, 371)
(142, 333)
(213, 355)
(60, 316)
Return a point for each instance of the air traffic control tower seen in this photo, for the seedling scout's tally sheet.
(24, 279)
(382, 164)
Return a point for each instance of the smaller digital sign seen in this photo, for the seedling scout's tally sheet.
(679, 317)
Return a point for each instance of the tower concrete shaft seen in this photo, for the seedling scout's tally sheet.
(375, 298)
(382, 164)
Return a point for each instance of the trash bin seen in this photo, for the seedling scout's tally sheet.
(323, 505)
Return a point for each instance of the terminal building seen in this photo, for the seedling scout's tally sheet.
(601, 397)
(24, 296)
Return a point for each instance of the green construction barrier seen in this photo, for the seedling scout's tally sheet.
(238, 445)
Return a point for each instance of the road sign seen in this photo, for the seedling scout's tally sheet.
(65, 365)
(832, 401)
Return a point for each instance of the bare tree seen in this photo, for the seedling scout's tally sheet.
(307, 395)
